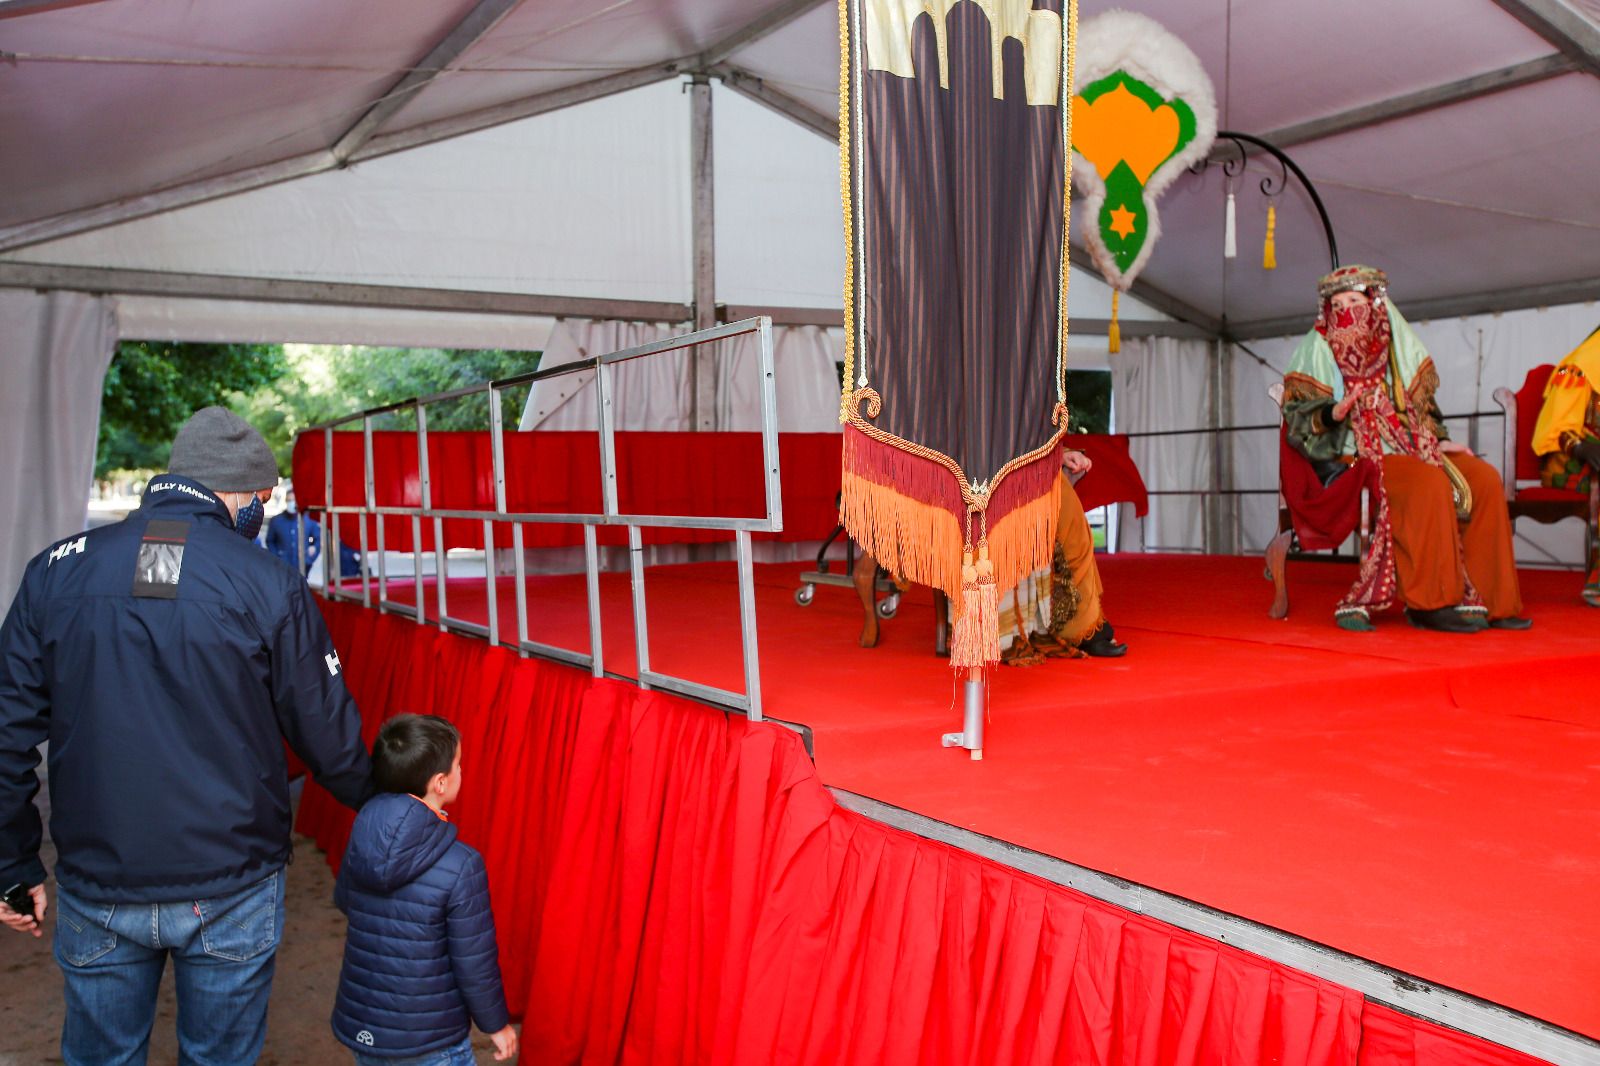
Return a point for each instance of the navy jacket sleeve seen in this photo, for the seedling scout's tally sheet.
(315, 711)
(24, 725)
(474, 958)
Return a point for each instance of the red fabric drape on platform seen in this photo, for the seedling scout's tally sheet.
(1324, 516)
(1114, 478)
(700, 474)
(674, 885)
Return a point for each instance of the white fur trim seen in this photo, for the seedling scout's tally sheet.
(1138, 44)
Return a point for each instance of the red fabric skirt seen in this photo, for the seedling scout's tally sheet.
(672, 884)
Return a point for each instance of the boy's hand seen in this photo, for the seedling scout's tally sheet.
(505, 1044)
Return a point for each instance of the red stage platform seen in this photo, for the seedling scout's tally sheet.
(1425, 801)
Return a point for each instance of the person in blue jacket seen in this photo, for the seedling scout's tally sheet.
(166, 659)
(286, 527)
(420, 961)
(284, 530)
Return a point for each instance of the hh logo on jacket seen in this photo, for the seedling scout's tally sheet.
(63, 550)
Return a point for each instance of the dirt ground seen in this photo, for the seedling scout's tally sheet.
(302, 991)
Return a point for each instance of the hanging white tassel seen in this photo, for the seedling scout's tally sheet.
(1230, 235)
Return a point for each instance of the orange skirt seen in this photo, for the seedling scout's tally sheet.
(1428, 557)
(1076, 541)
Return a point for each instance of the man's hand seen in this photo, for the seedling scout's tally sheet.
(1452, 447)
(1077, 463)
(28, 923)
(1341, 410)
(1588, 451)
(505, 1044)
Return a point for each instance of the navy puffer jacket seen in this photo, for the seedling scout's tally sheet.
(420, 961)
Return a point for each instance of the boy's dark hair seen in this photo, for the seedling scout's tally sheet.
(410, 749)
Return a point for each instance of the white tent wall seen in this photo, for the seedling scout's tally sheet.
(1511, 345)
(54, 350)
(652, 393)
(1159, 384)
(588, 201)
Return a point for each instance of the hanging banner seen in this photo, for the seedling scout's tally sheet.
(953, 140)
(1143, 113)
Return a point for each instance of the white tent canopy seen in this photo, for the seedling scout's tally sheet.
(459, 173)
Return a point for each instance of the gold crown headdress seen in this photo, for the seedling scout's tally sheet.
(1347, 278)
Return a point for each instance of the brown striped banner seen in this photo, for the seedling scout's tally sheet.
(952, 147)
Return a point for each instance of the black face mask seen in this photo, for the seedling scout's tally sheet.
(248, 522)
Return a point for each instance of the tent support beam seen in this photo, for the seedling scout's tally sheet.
(1563, 27)
(702, 163)
(1584, 290)
(468, 32)
(1160, 299)
(174, 197)
(833, 318)
(13, 8)
(765, 26)
(44, 276)
(753, 88)
(1417, 103)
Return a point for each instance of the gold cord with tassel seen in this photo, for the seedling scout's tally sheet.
(1269, 251)
(1114, 331)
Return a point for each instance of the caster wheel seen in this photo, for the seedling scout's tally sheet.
(805, 594)
(889, 605)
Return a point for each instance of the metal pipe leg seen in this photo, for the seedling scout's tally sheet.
(974, 707)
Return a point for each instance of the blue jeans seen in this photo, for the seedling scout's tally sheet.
(455, 1055)
(222, 949)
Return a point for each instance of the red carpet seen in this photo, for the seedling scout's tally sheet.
(1423, 800)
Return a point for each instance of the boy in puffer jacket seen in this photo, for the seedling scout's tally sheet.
(420, 962)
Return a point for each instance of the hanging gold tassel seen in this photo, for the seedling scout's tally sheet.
(975, 637)
(1269, 251)
(1114, 332)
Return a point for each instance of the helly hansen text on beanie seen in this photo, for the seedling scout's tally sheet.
(223, 452)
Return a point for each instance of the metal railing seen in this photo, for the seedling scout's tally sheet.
(1211, 525)
(334, 585)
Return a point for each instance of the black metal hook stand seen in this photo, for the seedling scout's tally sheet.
(1270, 185)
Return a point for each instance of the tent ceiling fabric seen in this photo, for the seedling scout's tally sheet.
(1478, 196)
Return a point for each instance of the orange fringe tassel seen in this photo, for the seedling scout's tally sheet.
(975, 637)
(909, 538)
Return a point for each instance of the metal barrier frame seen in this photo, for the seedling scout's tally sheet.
(334, 585)
(1216, 492)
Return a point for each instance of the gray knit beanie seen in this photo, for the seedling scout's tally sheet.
(223, 452)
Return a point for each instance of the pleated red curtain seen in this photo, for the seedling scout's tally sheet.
(674, 885)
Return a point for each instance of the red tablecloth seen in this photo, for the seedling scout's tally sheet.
(698, 474)
(701, 474)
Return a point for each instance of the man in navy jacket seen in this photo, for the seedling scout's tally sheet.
(166, 659)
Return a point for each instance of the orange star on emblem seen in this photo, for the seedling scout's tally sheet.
(1122, 223)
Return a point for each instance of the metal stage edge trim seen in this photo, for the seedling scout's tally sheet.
(1381, 984)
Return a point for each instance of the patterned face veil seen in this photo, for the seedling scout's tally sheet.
(1359, 335)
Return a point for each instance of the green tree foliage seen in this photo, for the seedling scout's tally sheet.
(152, 387)
(371, 377)
(1089, 401)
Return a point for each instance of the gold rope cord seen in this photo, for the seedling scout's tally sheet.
(847, 385)
(1068, 90)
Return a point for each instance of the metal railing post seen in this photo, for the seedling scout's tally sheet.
(591, 566)
(747, 622)
(330, 521)
(641, 627)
